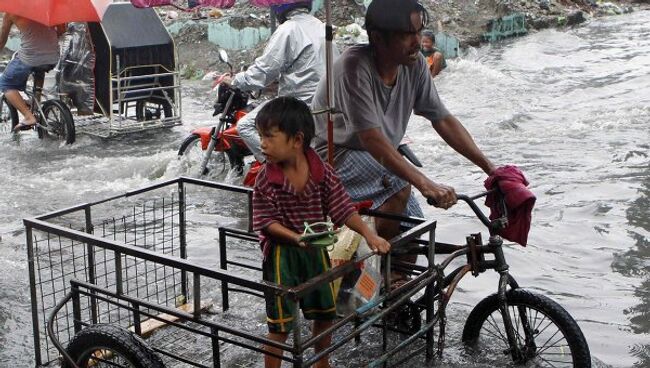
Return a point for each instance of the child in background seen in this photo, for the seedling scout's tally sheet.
(296, 186)
(435, 58)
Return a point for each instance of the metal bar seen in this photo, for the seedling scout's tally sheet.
(32, 293)
(383, 359)
(144, 76)
(216, 185)
(216, 351)
(297, 334)
(125, 195)
(183, 239)
(90, 251)
(149, 255)
(181, 315)
(430, 295)
(197, 296)
(76, 308)
(137, 325)
(223, 264)
(119, 290)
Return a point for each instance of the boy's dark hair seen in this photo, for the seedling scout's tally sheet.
(290, 115)
(429, 34)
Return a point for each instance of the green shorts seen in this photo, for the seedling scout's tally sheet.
(291, 266)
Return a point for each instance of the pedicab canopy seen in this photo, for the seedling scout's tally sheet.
(131, 42)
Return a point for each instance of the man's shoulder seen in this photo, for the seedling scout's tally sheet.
(355, 57)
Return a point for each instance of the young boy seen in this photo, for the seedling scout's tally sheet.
(435, 58)
(294, 187)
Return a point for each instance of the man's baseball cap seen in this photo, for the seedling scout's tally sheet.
(394, 15)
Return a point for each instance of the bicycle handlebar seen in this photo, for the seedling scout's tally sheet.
(496, 224)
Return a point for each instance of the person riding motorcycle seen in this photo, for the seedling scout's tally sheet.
(294, 57)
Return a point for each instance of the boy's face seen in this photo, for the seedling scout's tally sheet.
(278, 147)
(427, 44)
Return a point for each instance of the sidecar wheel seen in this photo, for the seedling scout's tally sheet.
(111, 346)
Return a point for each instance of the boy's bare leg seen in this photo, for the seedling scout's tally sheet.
(324, 343)
(269, 360)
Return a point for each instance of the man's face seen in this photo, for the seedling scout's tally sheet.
(404, 47)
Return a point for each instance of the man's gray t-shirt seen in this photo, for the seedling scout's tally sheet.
(366, 102)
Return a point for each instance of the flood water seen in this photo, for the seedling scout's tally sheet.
(570, 107)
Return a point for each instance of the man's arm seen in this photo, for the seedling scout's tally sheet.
(457, 137)
(379, 147)
(7, 22)
(267, 68)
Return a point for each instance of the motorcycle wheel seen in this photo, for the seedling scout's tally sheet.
(191, 156)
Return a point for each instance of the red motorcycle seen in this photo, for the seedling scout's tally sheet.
(209, 147)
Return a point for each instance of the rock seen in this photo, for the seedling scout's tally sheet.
(215, 13)
(172, 14)
(575, 17)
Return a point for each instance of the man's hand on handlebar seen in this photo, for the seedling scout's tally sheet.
(439, 195)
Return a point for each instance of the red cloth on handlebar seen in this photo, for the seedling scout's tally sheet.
(518, 199)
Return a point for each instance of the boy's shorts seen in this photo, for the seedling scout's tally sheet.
(291, 266)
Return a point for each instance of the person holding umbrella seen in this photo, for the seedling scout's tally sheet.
(38, 52)
(376, 88)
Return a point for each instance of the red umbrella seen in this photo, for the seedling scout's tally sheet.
(53, 12)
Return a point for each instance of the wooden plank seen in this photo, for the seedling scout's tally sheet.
(151, 325)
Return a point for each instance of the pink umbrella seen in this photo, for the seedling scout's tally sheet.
(329, 37)
(53, 12)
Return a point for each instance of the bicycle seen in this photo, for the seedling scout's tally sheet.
(53, 117)
(531, 328)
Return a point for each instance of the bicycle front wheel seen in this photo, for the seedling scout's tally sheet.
(8, 116)
(57, 122)
(545, 333)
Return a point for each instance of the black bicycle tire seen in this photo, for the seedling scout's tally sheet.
(140, 106)
(66, 116)
(518, 297)
(13, 112)
(119, 340)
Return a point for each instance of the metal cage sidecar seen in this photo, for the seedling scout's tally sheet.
(135, 82)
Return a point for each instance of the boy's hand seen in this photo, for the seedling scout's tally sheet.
(299, 242)
(378, 244)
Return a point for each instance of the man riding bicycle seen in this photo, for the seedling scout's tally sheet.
(39, 51)
(376, 89)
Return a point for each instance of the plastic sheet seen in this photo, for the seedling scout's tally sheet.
(76, 77)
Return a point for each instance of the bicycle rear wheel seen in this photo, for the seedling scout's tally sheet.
(8, 116)
(552, 339)
(57, 122)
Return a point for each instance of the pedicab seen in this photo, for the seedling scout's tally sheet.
(112, 284)
(113, 78)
